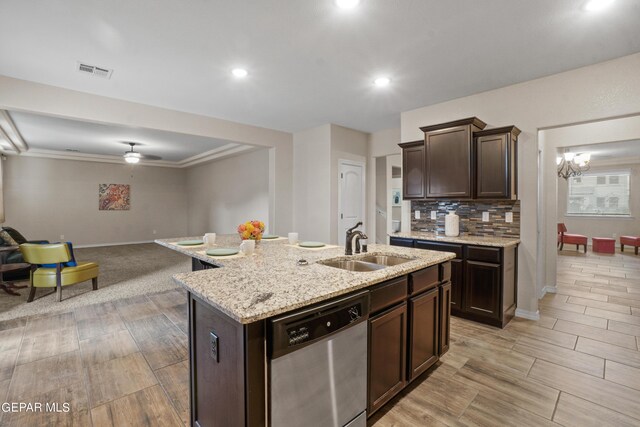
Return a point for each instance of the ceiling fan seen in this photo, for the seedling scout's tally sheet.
(134, 157)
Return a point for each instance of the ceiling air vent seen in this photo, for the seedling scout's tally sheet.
(93, 70)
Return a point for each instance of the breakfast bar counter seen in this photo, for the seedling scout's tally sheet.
(270, 282)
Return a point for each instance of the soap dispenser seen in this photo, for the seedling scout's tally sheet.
(451, 224)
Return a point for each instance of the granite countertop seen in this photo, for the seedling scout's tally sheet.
(501, 242)
(269, 282)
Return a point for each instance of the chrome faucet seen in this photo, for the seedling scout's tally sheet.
(351, 234)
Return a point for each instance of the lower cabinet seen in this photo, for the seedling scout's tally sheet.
(457, 283)
(424, 321)
(445, 317)
(387, 355)
(484, 280)
(482, 295)
(408, 330)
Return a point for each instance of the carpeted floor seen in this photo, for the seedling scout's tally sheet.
(125, 271)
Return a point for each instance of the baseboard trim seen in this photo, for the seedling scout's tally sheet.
(99, 245)
(547, 290)
(531, 315)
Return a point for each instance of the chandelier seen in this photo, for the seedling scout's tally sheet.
(573, 164)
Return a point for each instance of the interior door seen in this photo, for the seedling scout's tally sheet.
(350, 197)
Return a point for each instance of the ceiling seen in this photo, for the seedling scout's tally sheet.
(52, 133)
(309, 62)
(610, 150)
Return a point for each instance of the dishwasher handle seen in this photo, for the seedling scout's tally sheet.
(302, 328)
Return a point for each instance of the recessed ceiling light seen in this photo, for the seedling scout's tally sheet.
(347, 4)
(382, 81)
(239, 72)
(595, 5)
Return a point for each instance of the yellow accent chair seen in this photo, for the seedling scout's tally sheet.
(61, 275)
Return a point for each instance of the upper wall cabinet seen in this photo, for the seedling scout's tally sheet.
(460, 160)
(496, 159)
(413, 170)
(449, 158)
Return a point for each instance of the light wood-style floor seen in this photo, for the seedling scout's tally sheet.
(124, 362)
(579, 365)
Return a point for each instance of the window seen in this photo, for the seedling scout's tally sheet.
(595, 194)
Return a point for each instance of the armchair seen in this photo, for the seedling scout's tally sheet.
(61, 275)
(574, 239)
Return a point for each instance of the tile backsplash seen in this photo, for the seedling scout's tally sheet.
(470, 212)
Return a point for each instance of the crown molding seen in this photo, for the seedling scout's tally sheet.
(217, 153)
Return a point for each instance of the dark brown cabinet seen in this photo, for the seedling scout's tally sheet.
(449, 158)
(483, 281)
(413, 170)
(445, 318)
(461, 160)
(457, 281)
(405, 327)
(387, 355)
(496, 160)
(482, 296)
(424, 320)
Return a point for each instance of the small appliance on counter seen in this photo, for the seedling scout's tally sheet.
(395, 225)
(451, 224)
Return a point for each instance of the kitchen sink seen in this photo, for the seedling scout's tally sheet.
(352, 265)
(366, 263)
(386, 260)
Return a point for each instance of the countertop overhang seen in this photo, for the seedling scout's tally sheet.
(465, 239)
(269, 282)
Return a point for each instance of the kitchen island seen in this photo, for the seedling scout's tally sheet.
(235, 310)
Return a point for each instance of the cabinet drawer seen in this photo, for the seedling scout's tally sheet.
(445, 271)
(424, 279)
(483, 253)
(388, 293)
(401, 241)
(442, 247)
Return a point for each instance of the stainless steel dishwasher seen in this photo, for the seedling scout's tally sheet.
(318, 365)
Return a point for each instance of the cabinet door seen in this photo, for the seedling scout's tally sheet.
(424, 316)
(448, 162)
(457, 283)
(413, 172)
(482, 289)
(445, 317)
(493, 177)
(387, 356)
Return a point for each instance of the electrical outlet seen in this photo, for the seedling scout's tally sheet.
(433, 215)
(485, 216)
(62, 237)
(154, 231)
(417, 214)
(508, 217)
(615, 235)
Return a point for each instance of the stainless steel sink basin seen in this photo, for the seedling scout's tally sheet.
(386, 260)
(352, 265)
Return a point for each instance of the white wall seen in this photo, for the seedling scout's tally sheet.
(591, 93)
(45, 198)
(608, 226)
(311, 183)
(224, 193)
